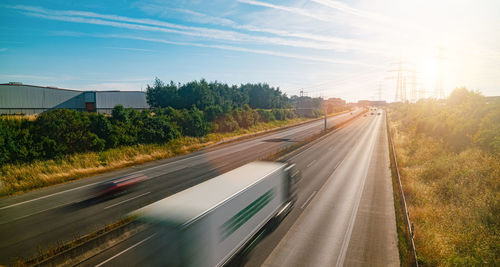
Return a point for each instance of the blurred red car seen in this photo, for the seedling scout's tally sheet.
(120, 184)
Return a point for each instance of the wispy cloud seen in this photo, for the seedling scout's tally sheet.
(305, 40)
(294, 10)
(350, 10)
(239, 49)
(158, 26)
(311, 41)
(130, 49)
(384, 24)
(328, 41)
(194, 16)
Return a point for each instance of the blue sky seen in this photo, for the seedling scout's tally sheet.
(326, 48)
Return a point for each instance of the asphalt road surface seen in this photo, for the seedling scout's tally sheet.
(44, 217)
(344, 215)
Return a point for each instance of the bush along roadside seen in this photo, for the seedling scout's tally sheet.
(406, 247)
(24, 176)
(449, 161)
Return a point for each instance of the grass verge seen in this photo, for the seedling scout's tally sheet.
(18, 178)
(453, 199)
(406, 256)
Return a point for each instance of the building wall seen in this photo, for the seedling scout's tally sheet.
(29, 99)
(25, 99)
(107, 100)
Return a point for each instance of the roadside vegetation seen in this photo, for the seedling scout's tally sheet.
(62, 145)
(449, 158)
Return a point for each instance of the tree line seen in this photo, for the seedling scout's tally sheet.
(193, 109)
(214, 96)
(465, 119)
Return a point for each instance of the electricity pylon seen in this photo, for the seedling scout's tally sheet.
(400, 83)
(413, 85)
(439, 91)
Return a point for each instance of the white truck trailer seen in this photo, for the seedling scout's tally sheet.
(210, 223)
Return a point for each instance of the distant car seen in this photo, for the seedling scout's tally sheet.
(378, 113)
(121, 184)
(372, 113)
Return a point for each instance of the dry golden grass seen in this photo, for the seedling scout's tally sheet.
(453, 198)
(16, 178)
(20, 117)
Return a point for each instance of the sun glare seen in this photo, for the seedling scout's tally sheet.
(429, 72)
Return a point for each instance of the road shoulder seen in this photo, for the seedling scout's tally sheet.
(374, 237)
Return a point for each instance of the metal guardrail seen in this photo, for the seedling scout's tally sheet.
(408, 222)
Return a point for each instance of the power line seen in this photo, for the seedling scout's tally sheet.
(439, 91)
(400, 94)
(413, 85)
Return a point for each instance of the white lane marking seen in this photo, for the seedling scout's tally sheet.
(121, 202)
(310, 164)
(290, 167)
(338, 163)
(359, 193)
(38, 198)
(313, 193)
(308, 199)
(83, 186)
(117, 255)
(40, 211)
(312, 146)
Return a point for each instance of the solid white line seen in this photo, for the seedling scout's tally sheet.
(83, 186)
(313, 145)
(338, 163)
(359, 193)
(144, 240)
(116, 204)
(308, 199)
(40, 211)
(310, 164)
(38, 198)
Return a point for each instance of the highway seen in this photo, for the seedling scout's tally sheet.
(59, 213)
(344, 215)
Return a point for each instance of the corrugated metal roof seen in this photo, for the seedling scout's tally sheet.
(195, 201)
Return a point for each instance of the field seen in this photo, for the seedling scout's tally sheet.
(452, 188)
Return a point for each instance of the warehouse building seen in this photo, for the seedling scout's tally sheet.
(18, 98)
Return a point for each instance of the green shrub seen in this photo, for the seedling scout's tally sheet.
(226, 124)
(64, 131)
(266, 115)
